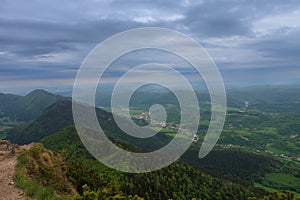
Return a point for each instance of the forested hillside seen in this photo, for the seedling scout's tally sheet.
(178, 181)
(256, 154)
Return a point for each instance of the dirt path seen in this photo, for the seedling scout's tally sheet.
(8, 161)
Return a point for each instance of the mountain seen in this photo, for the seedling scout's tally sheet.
(50, 129)
(6, 99)
(59, 115)
(255, 148)
(52, 119)
(26, 108)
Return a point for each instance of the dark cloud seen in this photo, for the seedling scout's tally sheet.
(215, 19)
(51, 38)
(219, 27)
(30, 36)
(231, 18)
(32, 48)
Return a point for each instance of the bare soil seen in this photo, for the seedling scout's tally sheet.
(8, 161)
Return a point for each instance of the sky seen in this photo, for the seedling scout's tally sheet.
(44, 42)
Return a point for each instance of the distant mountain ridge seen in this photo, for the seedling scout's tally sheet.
(264, 98)
(26, 108)
(59, 115)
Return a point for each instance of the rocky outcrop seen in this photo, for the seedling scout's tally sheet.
(8, 149)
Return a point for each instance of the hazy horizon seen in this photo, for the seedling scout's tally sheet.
(68, 92)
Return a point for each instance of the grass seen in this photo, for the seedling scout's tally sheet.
(4, 127)
(285, 179)
(242, 133)
(35, 190)
(8, 122)
(268, 189)
(274, 182)
(273, 190)
(31, 183)
(2, 136)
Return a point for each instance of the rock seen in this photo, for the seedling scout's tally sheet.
(11, 183)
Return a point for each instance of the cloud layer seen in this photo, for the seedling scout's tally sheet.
(42, 43)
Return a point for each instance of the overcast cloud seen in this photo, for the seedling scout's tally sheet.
(42, 43)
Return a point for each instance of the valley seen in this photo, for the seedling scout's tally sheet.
(258, 152)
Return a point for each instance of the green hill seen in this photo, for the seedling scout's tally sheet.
(54, 118)
(42, 174)
(26, 108)
(6, 99)
(177, 181)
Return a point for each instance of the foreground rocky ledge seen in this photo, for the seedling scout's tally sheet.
(8, 161)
